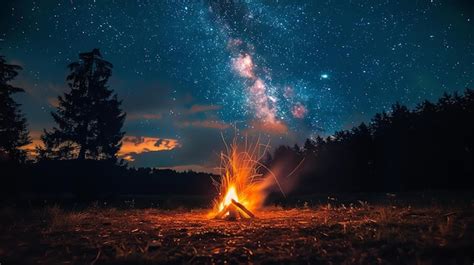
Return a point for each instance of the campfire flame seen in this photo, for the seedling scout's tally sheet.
(242, 183)
(231, 195)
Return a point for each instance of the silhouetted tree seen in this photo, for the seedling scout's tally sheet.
(89, 117)
(309, 146)
(430, 147)
(13, 127)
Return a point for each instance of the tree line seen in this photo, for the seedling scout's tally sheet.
(428, 147)
(79, 154)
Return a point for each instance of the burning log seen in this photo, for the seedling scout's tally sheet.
(234, 214)
(242, 208)
(241, 181)
(221, 214)
(234, 211)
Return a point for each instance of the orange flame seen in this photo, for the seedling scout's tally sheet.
(231, 195)
(242, 178)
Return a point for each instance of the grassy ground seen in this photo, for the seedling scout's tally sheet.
(361, 234)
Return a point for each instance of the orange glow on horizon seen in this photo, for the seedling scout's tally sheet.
(136, 145)
(131, 145)
(278, 127)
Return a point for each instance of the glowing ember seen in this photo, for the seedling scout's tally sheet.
(242, 186)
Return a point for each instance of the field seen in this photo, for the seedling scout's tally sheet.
(359, 233)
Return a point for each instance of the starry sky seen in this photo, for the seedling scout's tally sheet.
(189, 71)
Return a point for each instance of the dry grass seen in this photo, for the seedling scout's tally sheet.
(361, 234)
(61, 220)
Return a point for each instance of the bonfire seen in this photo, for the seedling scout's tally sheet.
(243, 181)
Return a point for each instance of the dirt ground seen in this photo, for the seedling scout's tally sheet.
(361, 234)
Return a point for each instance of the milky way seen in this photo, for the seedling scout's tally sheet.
(301, 68)
(265, 99)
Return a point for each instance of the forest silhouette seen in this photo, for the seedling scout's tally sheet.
(429, 147)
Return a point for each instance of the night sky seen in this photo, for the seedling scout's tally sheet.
(285, 70)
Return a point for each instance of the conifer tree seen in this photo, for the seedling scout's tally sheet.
(89, 118)
(13, 126)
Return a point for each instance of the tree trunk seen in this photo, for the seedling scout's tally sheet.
(82, 153)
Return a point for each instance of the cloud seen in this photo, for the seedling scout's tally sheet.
(277, 127)
(198, 129)
(53, 102)
(195, 168)
(129, 158)
(214, 124)
(39, 92)
(203, 108)
(200, 142)
(197, 146)
(133, 145)
(16, 62)
(157, 97)
(35, 142)
(144, 116)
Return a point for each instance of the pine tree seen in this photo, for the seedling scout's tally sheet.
(89, 117)
(13, 127)
(309, 146)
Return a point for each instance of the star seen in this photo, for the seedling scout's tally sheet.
(309, 65)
